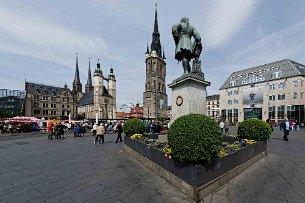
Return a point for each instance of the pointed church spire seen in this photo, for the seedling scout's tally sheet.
(77, 85)
(163, 54)
(89, 80)
(76, 77)
(156, 44)
(89, 86)
(156, 20)
(147, 50)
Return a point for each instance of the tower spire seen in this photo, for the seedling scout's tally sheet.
(76, 77)
(89, 80)
(156, 44)
(156, 20)
(147, 50)
(77, 85)
(163, 56)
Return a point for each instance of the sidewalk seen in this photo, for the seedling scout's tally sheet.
(279, 177)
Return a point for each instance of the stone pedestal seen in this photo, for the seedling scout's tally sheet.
(189, 95)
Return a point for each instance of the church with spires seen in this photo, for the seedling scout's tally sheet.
(154, 96)
(99, 98)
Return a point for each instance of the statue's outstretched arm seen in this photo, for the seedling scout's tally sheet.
(196, 35)
(175, 33)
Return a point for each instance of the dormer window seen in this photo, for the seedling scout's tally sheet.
(232, 83)
(37, 91)
(53, 93)
(45, 91)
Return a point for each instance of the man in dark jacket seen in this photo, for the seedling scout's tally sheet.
(286, 126)
(119, 130)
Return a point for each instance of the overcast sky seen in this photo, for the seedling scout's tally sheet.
(39, 39)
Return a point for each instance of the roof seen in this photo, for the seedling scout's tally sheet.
(88, 98)
(212, 97)
(272, 71)
(34, 88)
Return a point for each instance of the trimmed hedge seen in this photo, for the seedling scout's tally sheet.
(194, 138)
(254, 129)
(134, 126)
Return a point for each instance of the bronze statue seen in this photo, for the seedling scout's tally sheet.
(185, 49)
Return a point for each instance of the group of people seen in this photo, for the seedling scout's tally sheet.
(100, 131)
(57, 130)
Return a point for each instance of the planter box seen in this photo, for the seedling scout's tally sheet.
(196, 180)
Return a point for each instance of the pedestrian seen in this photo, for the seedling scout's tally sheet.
(221, 125)
(119, 130)
(226, 128)
(100, 132)
(50, 134)
(297, 125)
(286, 126)
(94, 129)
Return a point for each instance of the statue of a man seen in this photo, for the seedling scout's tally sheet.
(185, 49)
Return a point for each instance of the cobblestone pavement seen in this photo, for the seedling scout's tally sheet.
(279, 177)
(76, 170)
(34, 169)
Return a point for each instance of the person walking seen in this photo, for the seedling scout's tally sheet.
(120, 130)
(50, 133)
(221, 125)
(286, 126)
(226, 128)
(100, 132)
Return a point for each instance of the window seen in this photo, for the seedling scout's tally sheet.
(36, 97)
(235, 92)
(36, 111)
(280, 112)
(281, 97)
(276, 75)
(230, 93)
(63, 106)
(232, 83)
(272, 112)
(271, 97)
(281, 85)
(230, 102)
(235, 101)
(272, 87)
(295, 83)
(53, 98)
(36, 104)
(294, 95)
(44, 105)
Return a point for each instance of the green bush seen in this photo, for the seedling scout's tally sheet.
(134, 126)
(254, 129)
(195, 138)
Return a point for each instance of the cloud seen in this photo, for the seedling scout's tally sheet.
(27, 32)
(281, 44)
(222, 19)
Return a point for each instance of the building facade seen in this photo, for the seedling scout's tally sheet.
(212, 107)
(268, 91)
(11, 103)
(154, 96)
(45, 101)
(98, 101)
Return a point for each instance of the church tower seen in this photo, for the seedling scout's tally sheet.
(77, 89)
(112, 93)
(98, 88)
(89, 86)
(154, 96)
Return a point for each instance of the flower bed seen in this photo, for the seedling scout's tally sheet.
(195, 179)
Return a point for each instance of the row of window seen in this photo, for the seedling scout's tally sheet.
(46, 112)
(46, 98)
(280, 111)
(232, 92)
(46, 105)
(294, 95)
(232, 101)
(282, 85)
